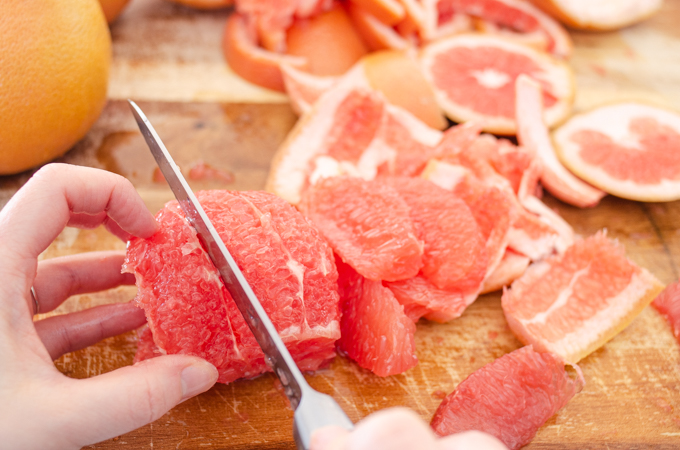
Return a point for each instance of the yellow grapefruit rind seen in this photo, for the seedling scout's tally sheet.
(567, 152)
(559, 73)
(606, 22)
(646, 287)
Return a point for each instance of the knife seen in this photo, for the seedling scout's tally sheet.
(313, 409)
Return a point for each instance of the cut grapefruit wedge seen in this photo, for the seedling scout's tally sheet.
(389, 12)
(512, 266)
(421, 298)
(630, 150)
(250, 61)
(474, 79)
(375, 331)
(510, 398)
(533, 135)
(572, 304)
(668, 305)
(377, 34)
(599, 14)
(303, 88)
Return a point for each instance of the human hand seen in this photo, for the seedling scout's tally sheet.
(399, 429)
(39, 407)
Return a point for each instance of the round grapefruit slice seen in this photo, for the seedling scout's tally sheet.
(188, 309)
(368, 225)
(376, 333)
(630, 150)
(510, 398)
(668, 305)
(251, 62)
(474, 79)
(599, 14)
(572, 304)
(533, 135)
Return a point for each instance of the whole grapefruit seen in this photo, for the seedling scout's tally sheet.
(55, 59)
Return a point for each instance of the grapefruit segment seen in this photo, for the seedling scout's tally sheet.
(376, 34)
(510, 398)
(375, 331)
(599, 14)
(572, 304)
(474, 79)
(303, 88)
(533, 135)
(511, 267)
(368, 225)
(188, 309)
(630, 150)
(668, 305)
(251, 62)
(389, 12)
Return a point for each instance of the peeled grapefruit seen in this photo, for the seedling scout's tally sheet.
(630, 150)
(572, 304)
(512, 266)
(474, 79)
(534, 136)
(368, 225)
(375, 331)
(510, 398)
(668, 304)
(289, 266)
(599, 14)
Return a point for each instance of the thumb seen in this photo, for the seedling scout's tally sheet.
(127, 398)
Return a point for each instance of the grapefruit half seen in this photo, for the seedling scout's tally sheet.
(630, 150)
(572, 304)
(474, 75)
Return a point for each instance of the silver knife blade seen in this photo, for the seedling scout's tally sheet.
(312, 409)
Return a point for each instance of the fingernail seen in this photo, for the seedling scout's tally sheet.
(197, 378)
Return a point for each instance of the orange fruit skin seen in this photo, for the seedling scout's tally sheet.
(400, 80)
(328, 41)
(55, 60)
(204, 4)
(113, 8)
(253, 63)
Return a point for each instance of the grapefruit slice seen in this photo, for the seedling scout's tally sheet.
(510, 398)
(251, 62)
(572, 304)
(668, 305)
(630, 150)
(188, 309)
(303, 88)
(421, 298)
(519, 16)
(474, 79)
(377, 34)
(375, 331)
(512, 266)
(536, 39)
(368, 225)
(533, 135)
(327, 41)
(389, 12)
(454, 254)
(599, 14)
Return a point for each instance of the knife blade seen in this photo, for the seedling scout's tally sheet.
(312, 409)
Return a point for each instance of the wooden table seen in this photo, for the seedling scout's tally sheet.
(168, 58)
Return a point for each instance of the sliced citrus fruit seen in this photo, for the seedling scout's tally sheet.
(421, 298)
(530, 236)
(454, 253)
(572, 304)
(389, 12)
(536, 39)
(441, 20)
(630, 150)
(599, 14)
(368, 225)
(303, 88)
(511, 267)
(376, 34)
(533, 135)
(204, 4)
(251, 62)
(668, 304)
(328, 42)
(376, 333)
(188, 309)
(474, 79)
(510, 398)
(565, 233)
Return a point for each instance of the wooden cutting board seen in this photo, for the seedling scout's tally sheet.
(168, 58)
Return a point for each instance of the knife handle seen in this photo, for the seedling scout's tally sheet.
(316, 410)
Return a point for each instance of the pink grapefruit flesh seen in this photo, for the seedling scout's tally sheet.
(510, 398)
(668, 305)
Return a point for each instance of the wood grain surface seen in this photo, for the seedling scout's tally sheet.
(168, 58)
